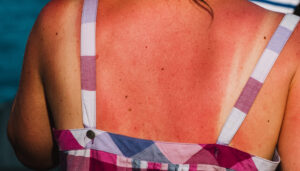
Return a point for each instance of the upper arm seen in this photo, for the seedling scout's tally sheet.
(289, 141)
(29, 128)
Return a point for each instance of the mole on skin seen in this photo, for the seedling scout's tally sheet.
(191, 90)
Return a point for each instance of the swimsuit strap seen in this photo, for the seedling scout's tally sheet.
(243, 104)
(257, 78)
(88, 62)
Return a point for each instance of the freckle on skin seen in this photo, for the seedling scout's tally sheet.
(56, 33)
(126, 97)
(146, 47)
(265, 37)
(129, 109)
(162, 69)
(268, 121)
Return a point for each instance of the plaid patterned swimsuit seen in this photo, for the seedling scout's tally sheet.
(93, 149)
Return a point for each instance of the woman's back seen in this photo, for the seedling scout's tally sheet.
(167, 71)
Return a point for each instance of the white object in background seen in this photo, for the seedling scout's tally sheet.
(282, 6)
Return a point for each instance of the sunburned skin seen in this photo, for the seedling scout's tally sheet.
(168, 81)
(239, 75)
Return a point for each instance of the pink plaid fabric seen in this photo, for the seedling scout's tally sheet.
(108, 151)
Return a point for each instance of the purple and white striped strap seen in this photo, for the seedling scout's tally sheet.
(88, 62)
(258, 76)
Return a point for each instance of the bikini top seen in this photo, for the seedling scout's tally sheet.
(93, 149)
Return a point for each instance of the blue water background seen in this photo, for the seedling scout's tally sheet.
(16, 20)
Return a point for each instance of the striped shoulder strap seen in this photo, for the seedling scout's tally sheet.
(256, 80)
(88, 62)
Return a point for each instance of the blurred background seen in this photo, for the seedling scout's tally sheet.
(16, 20)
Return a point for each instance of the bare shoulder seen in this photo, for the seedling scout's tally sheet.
(54, 25)
(296, 38)
(292, 50)
(294, 43)
(58, 12)
(57, 30)
(57, 19)
(288, 146)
